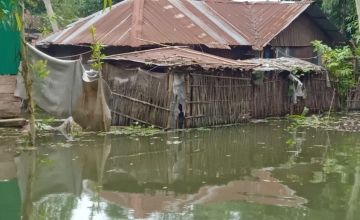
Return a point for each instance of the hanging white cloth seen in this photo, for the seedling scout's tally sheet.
(69, 90)
(299, 88)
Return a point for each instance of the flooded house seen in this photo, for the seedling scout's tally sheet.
(231, 29)
(176, 87)
(196, 50)
(154, 79)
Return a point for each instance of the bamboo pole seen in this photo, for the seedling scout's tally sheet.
(135, 119)
(188, 98)
(26, 74)
(139, 101)
(221, 77)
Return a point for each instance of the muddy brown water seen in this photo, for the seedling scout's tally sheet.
(251, 171)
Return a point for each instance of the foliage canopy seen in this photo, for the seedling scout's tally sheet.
(339, 63)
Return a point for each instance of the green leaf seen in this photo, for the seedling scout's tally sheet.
(105, 2)
(40, 69)
(19, 22)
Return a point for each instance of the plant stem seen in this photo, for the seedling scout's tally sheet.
(26, 74)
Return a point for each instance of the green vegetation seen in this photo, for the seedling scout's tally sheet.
(66, 12)
(338, 62)
(343, 14)
(302, 121)
(337, 122)
(97, 56)
(137, 130)
(301, 71)
(39, 67)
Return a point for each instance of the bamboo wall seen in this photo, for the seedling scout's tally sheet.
(211, 97)
(138, 96)
(214, 100)
(353, 99)
(228, 100)
(319, 96)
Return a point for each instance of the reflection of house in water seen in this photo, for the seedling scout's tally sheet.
(216, 157)
(265, 190)
(166, 172)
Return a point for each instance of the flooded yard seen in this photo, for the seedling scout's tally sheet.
(252, 171)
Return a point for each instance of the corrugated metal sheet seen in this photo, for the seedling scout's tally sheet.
(216, 24)
(180, 56)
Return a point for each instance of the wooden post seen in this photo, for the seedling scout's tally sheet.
(188, 104)
(170, 114)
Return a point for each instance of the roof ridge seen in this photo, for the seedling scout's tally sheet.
(137, 19)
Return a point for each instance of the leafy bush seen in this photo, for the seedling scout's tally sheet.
(97, 56)
(339, 64)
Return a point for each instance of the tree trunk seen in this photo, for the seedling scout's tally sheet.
(51, 15)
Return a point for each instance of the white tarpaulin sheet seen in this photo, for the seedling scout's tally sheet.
(69, 91)
(59, 91)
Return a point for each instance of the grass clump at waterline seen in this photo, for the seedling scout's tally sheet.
(340, 122)
(141, 130)
(135, 130)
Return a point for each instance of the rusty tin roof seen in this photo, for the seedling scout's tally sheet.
(180, 56)
(214, 23)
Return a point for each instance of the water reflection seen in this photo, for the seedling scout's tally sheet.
(255, 171)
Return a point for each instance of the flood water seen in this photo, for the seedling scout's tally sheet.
(253, 171)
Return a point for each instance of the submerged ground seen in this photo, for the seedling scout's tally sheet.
(253, 171)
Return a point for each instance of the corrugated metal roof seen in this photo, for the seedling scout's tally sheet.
(181, 56)
(216, 24)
